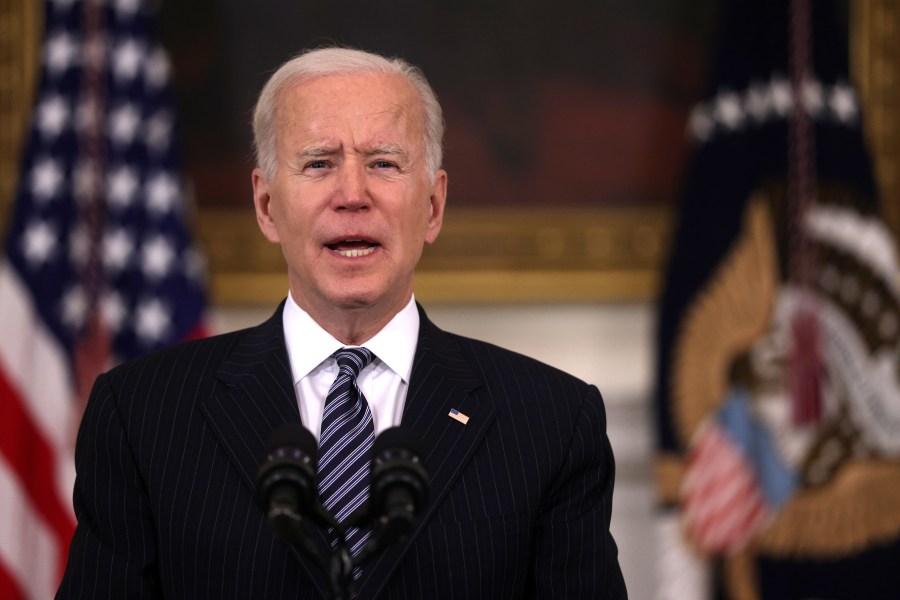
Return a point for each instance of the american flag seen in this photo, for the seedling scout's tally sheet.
(735, 480)
(99, 265)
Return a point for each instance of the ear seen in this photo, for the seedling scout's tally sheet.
(437, 200)
(262, 201)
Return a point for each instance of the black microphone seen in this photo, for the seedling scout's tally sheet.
(399, 485)
(286, 482)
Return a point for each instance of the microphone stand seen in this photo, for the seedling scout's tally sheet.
(285, 488)
(338, 567)
(342, 563)
(289, 528)
(340, 572)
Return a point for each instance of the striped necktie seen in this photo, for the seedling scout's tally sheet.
(345, 446)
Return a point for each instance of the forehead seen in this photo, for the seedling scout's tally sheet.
(362, 101)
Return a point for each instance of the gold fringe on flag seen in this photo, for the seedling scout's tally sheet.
(859, 508)
(728, 317)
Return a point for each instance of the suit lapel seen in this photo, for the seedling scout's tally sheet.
(257, 397)
(442, 379)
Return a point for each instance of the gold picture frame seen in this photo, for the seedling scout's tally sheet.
(489, 255)
(21, 26)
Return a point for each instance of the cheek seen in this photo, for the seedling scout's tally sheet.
(292, 223)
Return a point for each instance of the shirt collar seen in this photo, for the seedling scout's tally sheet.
(308, 345)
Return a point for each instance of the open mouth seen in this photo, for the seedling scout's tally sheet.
(353, 248)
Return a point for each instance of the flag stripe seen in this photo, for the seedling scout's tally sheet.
(8, 586)
(35, 362)
(28, 549)
(722, 505)
(34, 462)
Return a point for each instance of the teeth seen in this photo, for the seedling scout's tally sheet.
(355, 253)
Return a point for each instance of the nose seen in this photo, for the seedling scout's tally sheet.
(352, 193)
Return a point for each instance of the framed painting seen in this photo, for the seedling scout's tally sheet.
(564, 140)
(565, 135)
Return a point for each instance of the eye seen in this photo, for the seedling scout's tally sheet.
(317, 164)
(384, 164)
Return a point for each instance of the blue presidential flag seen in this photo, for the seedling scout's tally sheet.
(777, 395)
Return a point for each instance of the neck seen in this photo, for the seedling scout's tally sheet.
(353, 325)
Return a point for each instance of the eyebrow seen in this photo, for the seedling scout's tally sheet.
(317, 151)
(320, 151)
(386, 149)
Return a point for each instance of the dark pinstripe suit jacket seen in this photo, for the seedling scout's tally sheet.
(170, 444)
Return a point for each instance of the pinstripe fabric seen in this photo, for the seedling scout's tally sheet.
(520, 496)
(345, 447)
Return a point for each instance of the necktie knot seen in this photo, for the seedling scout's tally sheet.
(351, 361)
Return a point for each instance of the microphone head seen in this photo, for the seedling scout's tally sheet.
(399, 485)
(287, 473)
(396, 463)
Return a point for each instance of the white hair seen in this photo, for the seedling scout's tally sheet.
(340, 61)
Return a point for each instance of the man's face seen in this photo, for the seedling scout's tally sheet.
(351, 201)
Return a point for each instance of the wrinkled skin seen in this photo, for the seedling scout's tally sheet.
(351, 201)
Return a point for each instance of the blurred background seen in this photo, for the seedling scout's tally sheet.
(690, 203)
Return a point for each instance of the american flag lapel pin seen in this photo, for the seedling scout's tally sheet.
(455, 414)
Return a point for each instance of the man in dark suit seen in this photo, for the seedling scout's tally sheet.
(521, 471)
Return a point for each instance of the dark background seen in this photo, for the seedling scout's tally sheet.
(570, 103)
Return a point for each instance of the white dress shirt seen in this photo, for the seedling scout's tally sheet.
(384, 382)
